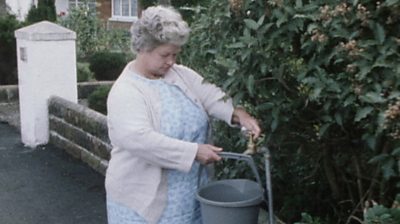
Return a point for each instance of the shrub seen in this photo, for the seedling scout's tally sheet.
(45, 10)
(188, 8)
(83, 72)
(86, 25)
(107, 65)
(379, 214)
(92, 36)
(147, 3)
(8, 50)
(97, 100)
(323, 78)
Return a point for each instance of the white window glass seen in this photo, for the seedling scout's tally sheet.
(117, 7)
(124, 8)
(133, 8)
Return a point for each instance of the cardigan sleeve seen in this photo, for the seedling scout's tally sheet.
(214, 100)
(131, 128)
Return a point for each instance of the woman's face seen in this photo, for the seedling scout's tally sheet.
(160, 59)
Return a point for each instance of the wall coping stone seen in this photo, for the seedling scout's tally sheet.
(92, 121)
(45, 31)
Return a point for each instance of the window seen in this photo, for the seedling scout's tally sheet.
(124, 10)
(80, 3)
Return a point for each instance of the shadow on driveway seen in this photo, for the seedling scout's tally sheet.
(46, 186)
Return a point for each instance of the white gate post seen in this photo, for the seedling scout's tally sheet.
(46, 67)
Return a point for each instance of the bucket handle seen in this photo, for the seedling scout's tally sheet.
(237, 156)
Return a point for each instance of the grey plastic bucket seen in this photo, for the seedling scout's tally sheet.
(233, 201)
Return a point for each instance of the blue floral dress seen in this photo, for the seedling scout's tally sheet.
(180, 119)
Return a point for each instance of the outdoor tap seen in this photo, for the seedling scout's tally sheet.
(251, 146)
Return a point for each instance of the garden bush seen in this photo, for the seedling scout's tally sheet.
(8, 50)
(86, 25)
(379, 214)
(107, 65)
(92, 35)
(83, 72)
(97, 100)
(45, 10)
(323, 79)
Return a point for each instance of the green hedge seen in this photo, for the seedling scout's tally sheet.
(98, 99)
(45, 10)
(8, 50)
(107, 65)
(323, 79)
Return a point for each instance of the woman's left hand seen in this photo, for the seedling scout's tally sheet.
(241, 117)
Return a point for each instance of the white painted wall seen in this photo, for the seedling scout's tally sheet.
(61, 6)
(20, 8)
(46, 67)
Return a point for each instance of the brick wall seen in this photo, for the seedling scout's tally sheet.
(104, 9)
(104, 12)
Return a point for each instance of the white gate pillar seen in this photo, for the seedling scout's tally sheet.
(46, 67)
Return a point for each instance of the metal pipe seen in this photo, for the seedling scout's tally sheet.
(267, 157)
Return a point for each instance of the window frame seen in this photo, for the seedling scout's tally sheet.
(120, 17)
(77, 3)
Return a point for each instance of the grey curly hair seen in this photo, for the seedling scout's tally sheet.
(158, 25)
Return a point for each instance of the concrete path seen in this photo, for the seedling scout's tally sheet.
(46, 185)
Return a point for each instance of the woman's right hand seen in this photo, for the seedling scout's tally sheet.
(208, 154)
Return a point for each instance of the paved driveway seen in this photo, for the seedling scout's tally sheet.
(46, 185)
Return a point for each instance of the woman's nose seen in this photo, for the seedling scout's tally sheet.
(171, 61)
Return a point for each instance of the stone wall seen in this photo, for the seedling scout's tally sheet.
(80, 131)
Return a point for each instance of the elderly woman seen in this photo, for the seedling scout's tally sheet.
(158, 119)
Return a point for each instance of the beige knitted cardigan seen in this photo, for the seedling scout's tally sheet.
(136, 174)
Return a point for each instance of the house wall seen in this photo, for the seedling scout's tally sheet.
(104, 8)
(20, 8)
(61, 6)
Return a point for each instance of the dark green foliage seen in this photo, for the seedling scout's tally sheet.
(188, 8)
(97, 100)
(83, 72)
(8, 52)
(45, 10)
(147, 3)
(323, 79)
(107, 65)
(380, 214)
(3, 8)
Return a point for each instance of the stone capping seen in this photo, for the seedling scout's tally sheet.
(45, 31)
(78, 115)
(81, 131)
